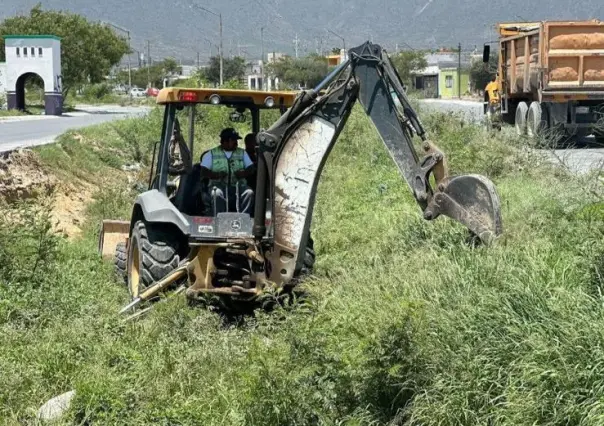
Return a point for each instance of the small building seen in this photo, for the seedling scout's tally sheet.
(449, 82)
(254, 78)
(426, 81)
(440, 78)
(29, 55)
(335, 60)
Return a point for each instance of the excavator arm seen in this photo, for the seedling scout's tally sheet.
(294, 150)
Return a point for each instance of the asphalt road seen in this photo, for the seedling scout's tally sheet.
(580, 160)
(27, 131)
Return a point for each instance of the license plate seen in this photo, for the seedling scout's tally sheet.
(582, 110)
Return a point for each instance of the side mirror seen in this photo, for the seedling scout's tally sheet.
(486, 54)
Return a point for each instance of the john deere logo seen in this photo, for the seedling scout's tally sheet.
(236, 225)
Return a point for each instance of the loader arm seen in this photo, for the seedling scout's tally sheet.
(294, 150)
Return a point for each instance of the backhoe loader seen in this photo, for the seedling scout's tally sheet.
(172, 238)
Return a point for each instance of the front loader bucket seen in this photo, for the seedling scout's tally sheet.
(471, 200)
(112, 232)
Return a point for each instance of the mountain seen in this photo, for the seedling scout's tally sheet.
(175, 29)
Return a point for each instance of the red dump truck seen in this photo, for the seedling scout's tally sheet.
(550, 77)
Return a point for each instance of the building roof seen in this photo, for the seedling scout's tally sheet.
(54, 37)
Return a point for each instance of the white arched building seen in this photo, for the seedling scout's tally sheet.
(28, 55)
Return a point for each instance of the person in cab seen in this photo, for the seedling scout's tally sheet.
(227, 168)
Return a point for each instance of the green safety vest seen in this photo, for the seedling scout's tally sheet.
(220, 163)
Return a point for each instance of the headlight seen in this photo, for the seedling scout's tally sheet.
(214, 99)
(269, 102)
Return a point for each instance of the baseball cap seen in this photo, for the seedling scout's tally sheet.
(229, 132)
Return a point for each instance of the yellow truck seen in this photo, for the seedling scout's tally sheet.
(550, 77)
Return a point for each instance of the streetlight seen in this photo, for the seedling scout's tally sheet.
(129, 49)
(343, 42)
(220, 18)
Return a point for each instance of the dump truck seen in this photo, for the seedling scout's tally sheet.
(550, 77)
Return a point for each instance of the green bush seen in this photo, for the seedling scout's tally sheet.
(97, 91)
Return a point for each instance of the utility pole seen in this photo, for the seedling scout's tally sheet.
(262, 58)
(148, 63)
(459, 72)
(198, 59)
(221, 51)
(296, 41)
(129, 49)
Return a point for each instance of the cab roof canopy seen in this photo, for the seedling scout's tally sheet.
(229, 97)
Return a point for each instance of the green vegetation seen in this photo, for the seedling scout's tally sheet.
(409, 62)
(155, 74)
(232, 69)
(307, 71)
(10, 113)
(403, 323)
(89, 50)
(481, 74)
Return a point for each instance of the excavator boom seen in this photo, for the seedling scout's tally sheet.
(294, 150)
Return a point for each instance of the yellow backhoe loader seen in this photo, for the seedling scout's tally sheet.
(174, 237)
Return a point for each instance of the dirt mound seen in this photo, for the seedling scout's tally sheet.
(22, 176)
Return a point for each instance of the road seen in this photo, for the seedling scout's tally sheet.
(578, 160)
(28, 131)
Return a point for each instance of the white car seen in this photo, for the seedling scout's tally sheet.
(138, 92)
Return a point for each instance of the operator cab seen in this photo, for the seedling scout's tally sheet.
(176, 169)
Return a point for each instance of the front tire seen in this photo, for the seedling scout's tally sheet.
(153, 253)
(120, 261)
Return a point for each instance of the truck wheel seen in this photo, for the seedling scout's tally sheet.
(120, 259)
(534, 120)
(520, 121)
(152, 255)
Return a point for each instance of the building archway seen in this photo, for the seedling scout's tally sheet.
(38, 57)
(32, 77)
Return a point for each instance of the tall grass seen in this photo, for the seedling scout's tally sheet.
(403, 322)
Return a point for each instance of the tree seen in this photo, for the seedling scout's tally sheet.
(409, 62)
(233, 69)
(155, 74)
(88, 50)
(481, 74)
(307, 71)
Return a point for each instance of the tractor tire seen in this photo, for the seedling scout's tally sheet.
(120, 261)
(152, 255)
(309, 259)
(520, 121)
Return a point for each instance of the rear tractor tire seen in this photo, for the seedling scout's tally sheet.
(153, 253)
(521, 116)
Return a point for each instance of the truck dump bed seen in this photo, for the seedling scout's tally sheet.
(562, 59)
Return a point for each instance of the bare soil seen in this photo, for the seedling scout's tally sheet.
(23, 176)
